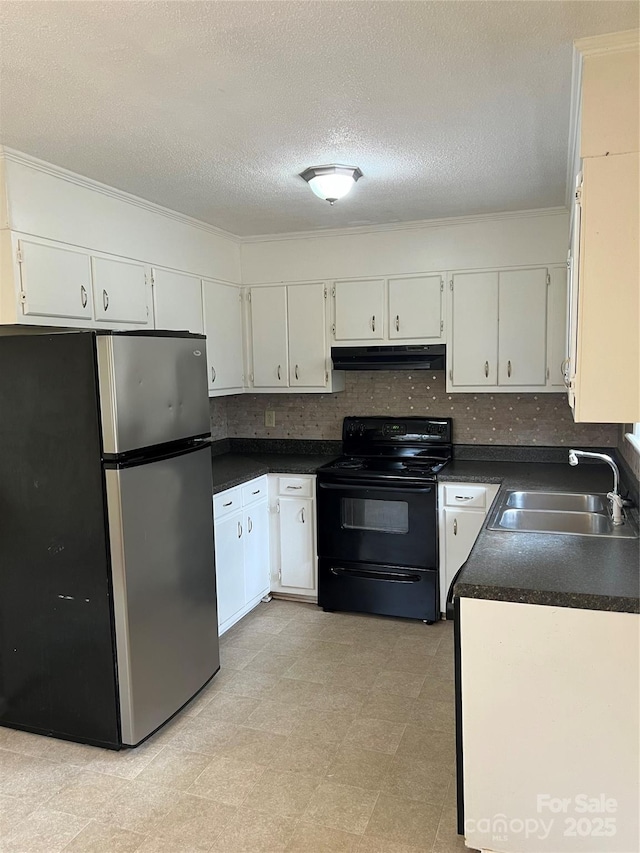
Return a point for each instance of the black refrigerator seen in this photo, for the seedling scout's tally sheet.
(108, 621)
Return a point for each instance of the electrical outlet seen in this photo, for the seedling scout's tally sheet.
(269, 418)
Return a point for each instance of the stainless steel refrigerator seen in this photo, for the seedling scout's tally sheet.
(108, 621)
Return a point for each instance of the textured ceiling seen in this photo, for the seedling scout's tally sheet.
(212, 108)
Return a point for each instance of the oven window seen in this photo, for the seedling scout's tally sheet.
(381, 516)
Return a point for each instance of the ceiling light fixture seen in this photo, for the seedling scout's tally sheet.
(331, 182)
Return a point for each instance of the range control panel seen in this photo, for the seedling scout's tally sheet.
(373, 430)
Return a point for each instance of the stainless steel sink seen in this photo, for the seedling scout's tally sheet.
(558, 512)
(562, 501)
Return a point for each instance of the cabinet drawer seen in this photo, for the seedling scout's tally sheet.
(295, 487)
(227, 502)
(254, 491)
(467, 496)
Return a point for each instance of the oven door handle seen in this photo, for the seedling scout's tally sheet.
(395, 577)
(377, 484)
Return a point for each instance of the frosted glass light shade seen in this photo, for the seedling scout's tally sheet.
(331, 182)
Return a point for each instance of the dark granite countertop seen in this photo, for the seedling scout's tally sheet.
(544, 568)
(232, 469)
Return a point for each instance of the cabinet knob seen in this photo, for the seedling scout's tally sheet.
(83, 295)
(455, 526)
(509, 369)
(105, 300)
(486, 369)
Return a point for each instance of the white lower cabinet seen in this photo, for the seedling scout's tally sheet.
(241, 529)
(294, 564)
(463, 509)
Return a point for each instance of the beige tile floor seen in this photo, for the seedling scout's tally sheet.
(321, 732)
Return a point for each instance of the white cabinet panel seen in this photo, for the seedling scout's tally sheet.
(256, 551)
(415, 307)
(475, 329)
(177, 302)
(119, 291)
(557, 345)
(229, 548)
(359, 310)
(297, 544)
(56, 282)
(269, 336)
(522, 313)
(462, 527)
(223, 328)
(307, 335)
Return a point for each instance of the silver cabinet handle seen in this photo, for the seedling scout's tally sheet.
(213, 375)
(486, 369)
(228, 503)
(250, 524)
(564, 370)
(455, 526)
(294, 487)
(83, 295)
(373, 323)
(509, 369)
(296, 372)
(105, 299)
(239, 530)
(302, 515)
(397, 322)
(279, 373)
(464, 497)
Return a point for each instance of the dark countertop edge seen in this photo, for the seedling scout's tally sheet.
(574, 601)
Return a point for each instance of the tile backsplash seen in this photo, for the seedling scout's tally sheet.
(519, 419)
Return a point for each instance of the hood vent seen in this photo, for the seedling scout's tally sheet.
(405, 357)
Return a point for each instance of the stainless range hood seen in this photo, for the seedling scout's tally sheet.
(403, 357)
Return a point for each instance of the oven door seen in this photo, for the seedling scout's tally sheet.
(376, 522)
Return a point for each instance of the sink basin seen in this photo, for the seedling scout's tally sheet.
(559, 501)
(558, 512)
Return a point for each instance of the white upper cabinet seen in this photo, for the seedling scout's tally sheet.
(119, 291)
(269, 338)
(415, 307)
(54, 281)
(359, 310)
(307, 335)
(522, 318)
(474, 332)
(177, 301)
(223, 328)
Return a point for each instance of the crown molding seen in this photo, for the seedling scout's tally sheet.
(608, 43)
(413, 225)
(81, 181)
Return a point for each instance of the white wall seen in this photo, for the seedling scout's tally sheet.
(536, 237)
(45, 201)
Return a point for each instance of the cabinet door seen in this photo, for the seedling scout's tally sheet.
(119, 291)
(55, 282)
(557, 326)
(229, 541)
(307, 335)
(461, 529)
(223, 328)
(359, 308)
(415, 307)
(474, 339)
(256, 551)
(177, 302)
(297, 543)
(269, 337)
(522, 325)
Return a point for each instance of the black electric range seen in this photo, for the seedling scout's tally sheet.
(377, 517)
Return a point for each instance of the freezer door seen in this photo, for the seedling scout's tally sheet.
(164, 587)
(153, 389)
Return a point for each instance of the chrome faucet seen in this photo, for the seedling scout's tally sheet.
(615, 499)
